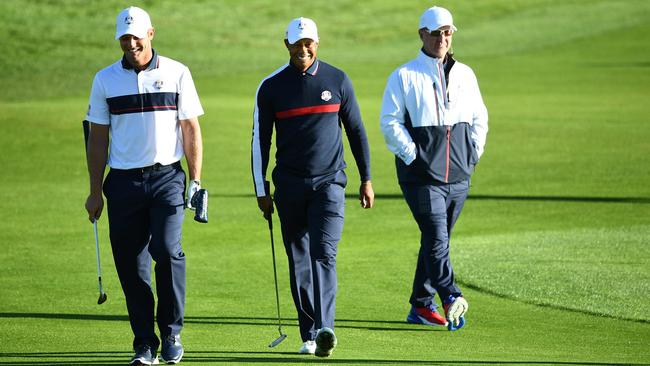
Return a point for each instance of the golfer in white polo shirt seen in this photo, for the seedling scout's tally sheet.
(149, 107)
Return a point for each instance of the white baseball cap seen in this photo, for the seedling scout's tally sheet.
(134, 21)
(300, 28)
(436, 17)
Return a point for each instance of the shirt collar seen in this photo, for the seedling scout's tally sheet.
(152, 65)
(311, 70)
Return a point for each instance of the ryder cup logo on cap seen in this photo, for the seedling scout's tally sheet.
(300, 28)
(134, 21)
(436, 17)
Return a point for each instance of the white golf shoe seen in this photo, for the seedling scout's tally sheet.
(325, 342)
(308, 348)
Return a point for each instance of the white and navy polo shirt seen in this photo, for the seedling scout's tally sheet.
(143, 110)
(307, 110)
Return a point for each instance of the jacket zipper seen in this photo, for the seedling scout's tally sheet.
(445, 96)
(447, 160)
(443, 81)
(435, 93)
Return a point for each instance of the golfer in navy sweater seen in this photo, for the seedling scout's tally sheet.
(308, 101)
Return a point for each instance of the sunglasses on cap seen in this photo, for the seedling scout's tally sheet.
(440, 32)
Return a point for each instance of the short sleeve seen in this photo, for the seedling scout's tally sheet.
(189, 105)
(98, 111)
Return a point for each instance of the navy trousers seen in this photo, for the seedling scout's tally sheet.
(435, 209)
(311, 215)
(145, 213)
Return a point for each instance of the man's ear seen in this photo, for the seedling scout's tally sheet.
(421, 34)
(286, 43)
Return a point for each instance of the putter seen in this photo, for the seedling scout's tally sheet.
(277, 295)
(102, 294)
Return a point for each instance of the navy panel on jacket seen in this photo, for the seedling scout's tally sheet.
(445, 154)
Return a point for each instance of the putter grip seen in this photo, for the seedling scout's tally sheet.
(200, 202)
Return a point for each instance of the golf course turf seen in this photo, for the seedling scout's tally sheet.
(551, 250)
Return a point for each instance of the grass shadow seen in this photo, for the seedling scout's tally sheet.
(490, 197)
(108, 358)
(550, 306)
(374, 325)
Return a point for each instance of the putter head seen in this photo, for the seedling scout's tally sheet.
(102, 298)
(278, 340)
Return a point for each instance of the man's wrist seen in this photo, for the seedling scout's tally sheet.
(96, 189)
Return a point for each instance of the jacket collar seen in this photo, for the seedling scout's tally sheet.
(447, 63)
(428, 59)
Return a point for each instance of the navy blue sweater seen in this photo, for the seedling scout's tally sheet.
(307, 110)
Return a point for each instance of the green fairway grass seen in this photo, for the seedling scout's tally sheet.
(551, 251)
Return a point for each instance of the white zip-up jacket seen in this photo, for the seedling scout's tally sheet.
(433, 114)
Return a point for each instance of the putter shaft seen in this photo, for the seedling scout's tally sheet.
(102, 295)
(277, 294)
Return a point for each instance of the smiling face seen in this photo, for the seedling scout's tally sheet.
(138, 51)
(302, 53)
(437, 44)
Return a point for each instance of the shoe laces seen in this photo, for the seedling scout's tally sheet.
(143, 348)
(172, 339)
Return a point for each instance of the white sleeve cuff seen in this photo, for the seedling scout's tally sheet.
(408, 154)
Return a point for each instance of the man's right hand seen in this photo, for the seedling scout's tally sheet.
(94, 206)
(266, 206)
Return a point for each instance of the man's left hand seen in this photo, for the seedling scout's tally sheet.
(194, 187)
(366, 195)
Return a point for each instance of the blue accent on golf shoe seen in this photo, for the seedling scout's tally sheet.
(415, 318)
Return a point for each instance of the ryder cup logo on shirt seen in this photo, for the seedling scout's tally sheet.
(326, 95)
(159, 84)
